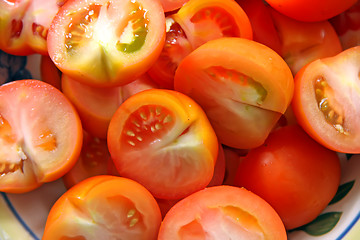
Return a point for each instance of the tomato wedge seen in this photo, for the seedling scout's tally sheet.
(24, 25)
(163, 140)
(107, 43)
(205, 20)
(326, 97)
(40, 135)
(104, 207)
(243, 86)
(222, 212)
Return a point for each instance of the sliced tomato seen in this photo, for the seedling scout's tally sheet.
(94, 160)
(304, 42)
(176, 47)
(172, 5)
(49, 72)
(296, 175)
(326, 100)
(243, 86)
(40, 135)
(96, 106)
(104, 207)
(204, 20)
(24, 25)
(222, 212)
(163, 140)
(107, 43)
(311, 11)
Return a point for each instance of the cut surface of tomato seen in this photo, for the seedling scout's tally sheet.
(326, 97)
(107, 43)
(222, 212)
(163, 140)
(40, 135)
(104, 207)
(243, 86)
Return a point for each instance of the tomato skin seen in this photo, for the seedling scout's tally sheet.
(332, 79)
(242, 85)
(311, 11)
(297, 176)
(40, 135)
(222, 212)
(104, 207)
(205, 20)
(49, 72)
(107, 43)
(171, 5)
(163, 140)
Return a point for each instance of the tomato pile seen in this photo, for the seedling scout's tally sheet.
(188, 119)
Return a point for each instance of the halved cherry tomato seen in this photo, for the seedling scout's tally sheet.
(326, 100)
(163, 140)
(222, 212)
(296, 175)
(205, 20)
(172, 5)
(24, 25)
(176, 47)
(96, 105)
(104, 42)
(243, 86)
(104, 207)
(94, 160)
(304, 42)
(49, 72)
(309, 10)
(40, 135)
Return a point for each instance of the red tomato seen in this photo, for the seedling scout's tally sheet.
(347, 26)
(264, 30)
(297, 176)
(49, 72)
(40, 135)
(243, 86)
(222, 212)
(219, 169)
(326, 101)
(94, 160)
(96, 105)
(107, 43)
(205, 20)
(24, 25)
(176, 47)
(104, 207)
(304, 42)
(163, 140)
(309, 10)
(171, 5)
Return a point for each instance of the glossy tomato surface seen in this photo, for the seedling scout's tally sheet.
(104, 207)
(296, 175)
(326, 100)
(243, 86)
(40, 135)
(106, 43)
(222, 212)
(163, 140)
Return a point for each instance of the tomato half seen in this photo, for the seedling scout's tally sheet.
(40, 135)
(326, 100)
(104, 42)
(104, 207)
(49, 72)
(222, 212)
(243, 86)
(172, 5)
(309, 10)
(24, 25)
(304, 42)
(163, 140)
(205, 20)
(296, 175)
(94, 160)
(96, 105)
